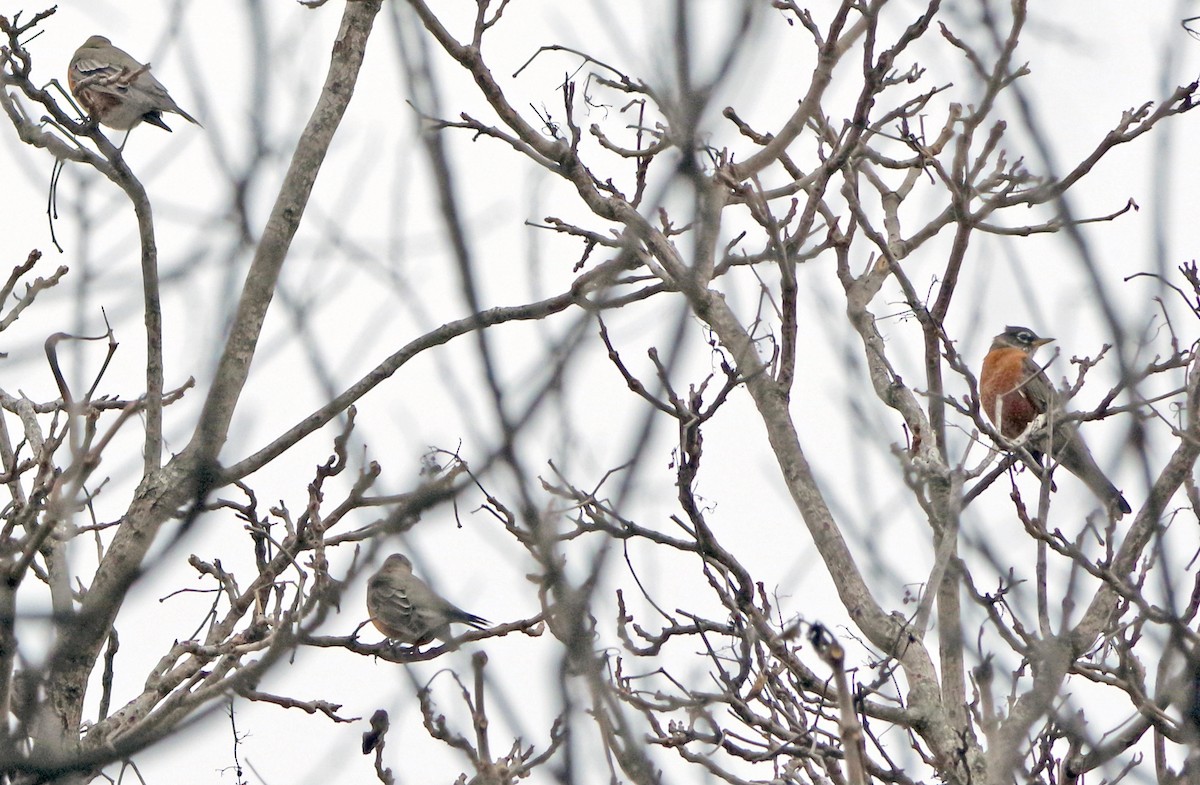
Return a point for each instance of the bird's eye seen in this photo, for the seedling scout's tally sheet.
(1025, 336)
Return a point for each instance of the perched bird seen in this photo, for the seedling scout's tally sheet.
(1014, 391)
(404, 608)
(117, 90)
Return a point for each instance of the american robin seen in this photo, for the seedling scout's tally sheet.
(404, 608)
(117, 90)
(1014, 391)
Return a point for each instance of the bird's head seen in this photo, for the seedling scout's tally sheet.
(1016, 337)
(397, 561)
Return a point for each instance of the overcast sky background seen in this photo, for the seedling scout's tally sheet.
(370, 270)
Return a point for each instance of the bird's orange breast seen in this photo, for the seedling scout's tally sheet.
(1001, 390)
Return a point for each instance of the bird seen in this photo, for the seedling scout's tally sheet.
(405, 609)
(1015, 391)
(117, 90)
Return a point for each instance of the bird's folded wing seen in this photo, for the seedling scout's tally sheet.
(91, 67)
(393, 606)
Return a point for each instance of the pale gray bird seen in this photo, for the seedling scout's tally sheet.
(405, 609)
(117, 90)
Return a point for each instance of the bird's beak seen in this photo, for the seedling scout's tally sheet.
(1041, 342)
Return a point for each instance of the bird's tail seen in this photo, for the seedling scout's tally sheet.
(1106, 491)
(186, 116)
(470, 619)
(155, 118)
(1077, 459)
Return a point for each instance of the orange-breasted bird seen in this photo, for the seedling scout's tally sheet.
(117, 90)
(405, 609)
(1014, 391)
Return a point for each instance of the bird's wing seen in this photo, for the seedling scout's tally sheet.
(1039, 390)
(107, 77)
(435, 611)
(392, 605)
(427, 604)
(154, 88)
(89, 66)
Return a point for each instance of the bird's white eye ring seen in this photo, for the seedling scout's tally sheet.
(1025, 336)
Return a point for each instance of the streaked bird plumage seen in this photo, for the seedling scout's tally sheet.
(117, 90)
(404, 608)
